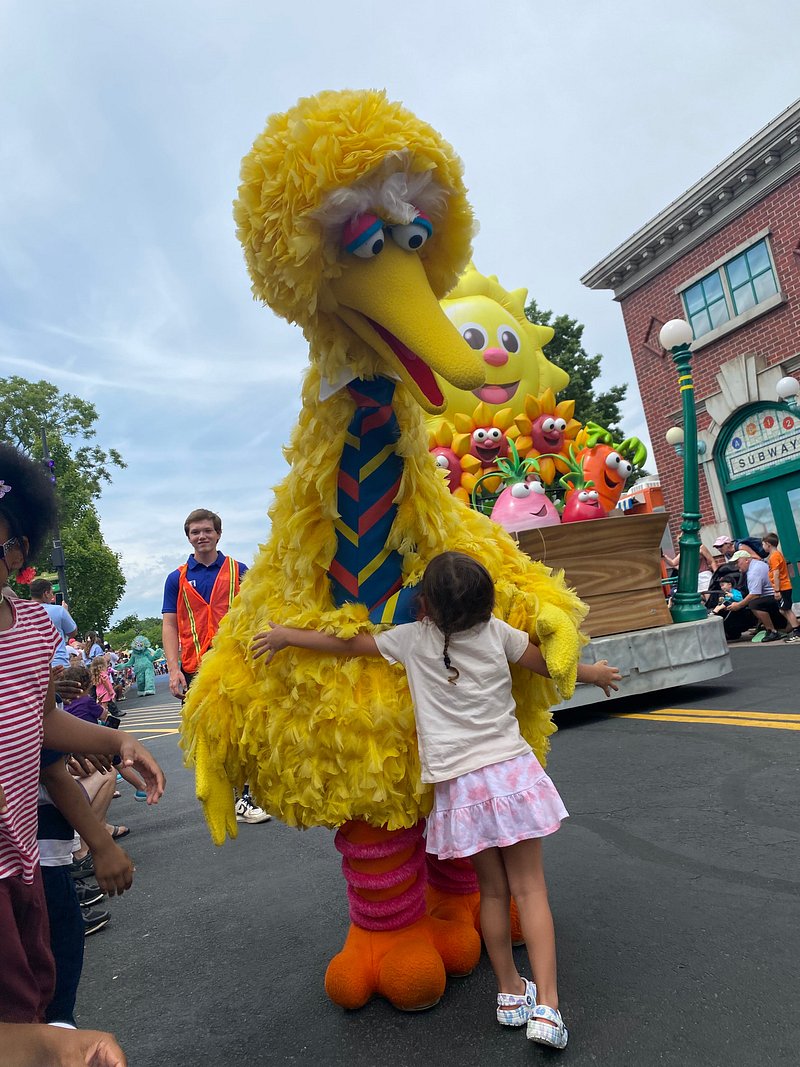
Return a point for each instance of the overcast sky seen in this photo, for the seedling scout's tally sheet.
(122, 126)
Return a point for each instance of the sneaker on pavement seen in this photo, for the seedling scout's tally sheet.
(247, 811)
(88, 894)
(140, 795)
(82, 868)
(94, 920)
(771, 635)
(793, 638)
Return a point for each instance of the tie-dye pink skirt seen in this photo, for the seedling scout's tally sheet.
(493, 807)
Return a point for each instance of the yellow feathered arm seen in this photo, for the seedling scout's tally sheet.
(214, 793)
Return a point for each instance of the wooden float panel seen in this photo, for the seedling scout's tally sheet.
(614, 565)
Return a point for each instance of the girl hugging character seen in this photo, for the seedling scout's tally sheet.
(492, 801)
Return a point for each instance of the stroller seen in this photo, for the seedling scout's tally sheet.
(726, 572)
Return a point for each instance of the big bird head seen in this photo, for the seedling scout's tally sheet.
(492, 321)
(355, 222)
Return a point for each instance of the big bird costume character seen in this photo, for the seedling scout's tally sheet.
(354, 220)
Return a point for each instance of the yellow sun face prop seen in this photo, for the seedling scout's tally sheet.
(493, 323)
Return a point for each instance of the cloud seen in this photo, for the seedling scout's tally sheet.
(120, 275)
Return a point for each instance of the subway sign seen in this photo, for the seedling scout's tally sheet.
(762, 440)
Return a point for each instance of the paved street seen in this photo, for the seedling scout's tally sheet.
(675, 886)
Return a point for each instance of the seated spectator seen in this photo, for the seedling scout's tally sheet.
(729, 596)
(758, 604)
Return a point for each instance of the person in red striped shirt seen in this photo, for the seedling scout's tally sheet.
(29, 718)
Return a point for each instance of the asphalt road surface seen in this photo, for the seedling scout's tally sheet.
(674, 884)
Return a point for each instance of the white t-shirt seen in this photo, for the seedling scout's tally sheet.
(473, 723)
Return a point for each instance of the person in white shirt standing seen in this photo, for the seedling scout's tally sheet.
(492, 800)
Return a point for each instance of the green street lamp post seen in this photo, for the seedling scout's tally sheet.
(676, 335)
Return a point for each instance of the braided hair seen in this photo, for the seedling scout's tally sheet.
(458, 593)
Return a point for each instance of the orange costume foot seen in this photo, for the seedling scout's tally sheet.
(393, 948)
(453, 893)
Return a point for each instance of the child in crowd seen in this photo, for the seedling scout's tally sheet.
(492, 801)
(729, 596)
(101, 682)
(86, 707)
(29, 717)
(781, 583)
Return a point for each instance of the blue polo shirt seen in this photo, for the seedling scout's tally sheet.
(65, 624)
(198, 575)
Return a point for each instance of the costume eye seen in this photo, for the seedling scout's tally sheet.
(508, 338)
(613, 460)
(479, 436)
(521, 490)
(441, 461)
(584, 496)
(495, 434)
(474, 335)
(413, 236)
(592, 495)
(364, 236)
(549, 425)
(561, 425)
(537, 487)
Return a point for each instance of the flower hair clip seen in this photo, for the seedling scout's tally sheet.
(4, 488)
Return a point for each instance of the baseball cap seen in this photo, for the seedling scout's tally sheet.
(724, 540)
(741, 554)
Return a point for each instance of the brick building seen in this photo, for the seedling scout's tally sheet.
(725, 256)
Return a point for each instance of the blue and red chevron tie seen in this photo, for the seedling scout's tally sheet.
(363, 569)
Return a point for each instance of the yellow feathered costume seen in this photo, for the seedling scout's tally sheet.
(326, 741)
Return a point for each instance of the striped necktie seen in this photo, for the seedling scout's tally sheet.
(363, 569)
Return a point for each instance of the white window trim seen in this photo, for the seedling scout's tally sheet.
(704, 273)
(735, 321)
(741, 320)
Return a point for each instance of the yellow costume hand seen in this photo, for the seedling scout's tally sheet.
(560, 643)
(215, 793)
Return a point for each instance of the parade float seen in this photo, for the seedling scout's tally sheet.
(512, 449)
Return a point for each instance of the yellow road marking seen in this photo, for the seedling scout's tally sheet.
(784, 722)
(790, 715)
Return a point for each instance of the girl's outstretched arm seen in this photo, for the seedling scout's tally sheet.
(599, 674)
(278, 637)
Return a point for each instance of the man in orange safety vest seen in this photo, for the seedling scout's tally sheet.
(196, 598)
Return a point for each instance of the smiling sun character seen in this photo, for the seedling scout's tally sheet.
(493, 323)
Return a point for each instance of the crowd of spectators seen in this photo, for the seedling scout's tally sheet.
(747, 582)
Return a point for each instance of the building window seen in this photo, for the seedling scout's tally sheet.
(739, 284)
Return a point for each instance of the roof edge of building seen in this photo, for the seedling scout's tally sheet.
(765, 161)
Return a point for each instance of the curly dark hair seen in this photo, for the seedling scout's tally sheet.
(77, 674)
(29, 507)
(458, 593)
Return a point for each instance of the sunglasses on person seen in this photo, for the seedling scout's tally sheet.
(5, 548)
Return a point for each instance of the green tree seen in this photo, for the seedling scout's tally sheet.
(124, 631)
(81, 466)
(567, 351)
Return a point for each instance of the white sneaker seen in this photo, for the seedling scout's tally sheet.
(246, 811)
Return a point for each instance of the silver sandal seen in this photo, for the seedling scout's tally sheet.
(546, 1027)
